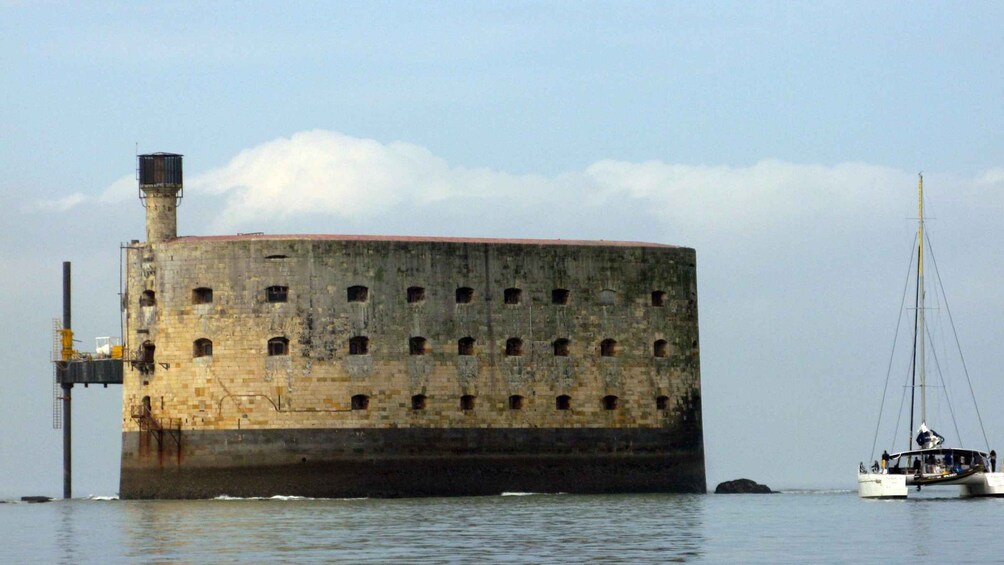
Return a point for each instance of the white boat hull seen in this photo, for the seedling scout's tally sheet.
(880, 485)
(990, 484)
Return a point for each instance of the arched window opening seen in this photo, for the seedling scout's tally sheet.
(465, 346)
(358, 293)
(515, 402)
(563, 402)
(277, 294)
(467, 402)
(465, 295)
(512, 295)
(359, 345)
(610, 402)
(561, 347)
(662, 403)
(415, 294)
(658, 298)
(418, 402)
(418, 346)
(278, 346)
(560, 296)
(360, 402)
(514, 347)
(608, 296)
(148, 298)
(202, 348)
(660, 348)
(608, 348)
(202, 295)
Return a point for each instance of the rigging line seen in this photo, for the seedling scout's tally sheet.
(899, 418)
(941, 376)
(892, 354)
(958, 345)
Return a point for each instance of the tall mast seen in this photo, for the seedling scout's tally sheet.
(920, 288)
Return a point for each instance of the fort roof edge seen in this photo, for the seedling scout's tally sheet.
(418, 239)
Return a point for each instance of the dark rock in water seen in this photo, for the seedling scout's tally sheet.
(36, 499)
(742, 486)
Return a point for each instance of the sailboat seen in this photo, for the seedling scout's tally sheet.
(929, 462)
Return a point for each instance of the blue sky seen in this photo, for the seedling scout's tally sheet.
(781, 140)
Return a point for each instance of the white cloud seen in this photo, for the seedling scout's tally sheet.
(323, 172)
(57, 205)
(122, 190)
(994, 176)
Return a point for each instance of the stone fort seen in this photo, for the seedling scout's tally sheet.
(343, 366)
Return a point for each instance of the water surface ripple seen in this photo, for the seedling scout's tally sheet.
(796, 527)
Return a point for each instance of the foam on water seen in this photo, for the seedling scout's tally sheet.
(279, 497)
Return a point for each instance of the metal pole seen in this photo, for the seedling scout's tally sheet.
(67, 387)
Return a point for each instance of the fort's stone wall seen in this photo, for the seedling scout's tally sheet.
(641, 296)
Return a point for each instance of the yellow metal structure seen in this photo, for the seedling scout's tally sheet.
(67, 340)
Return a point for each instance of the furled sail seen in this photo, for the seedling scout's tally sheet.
(928, 438)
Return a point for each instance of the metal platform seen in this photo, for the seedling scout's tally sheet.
(92, 371)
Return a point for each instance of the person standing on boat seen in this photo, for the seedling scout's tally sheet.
(993, 461)
(885, 460)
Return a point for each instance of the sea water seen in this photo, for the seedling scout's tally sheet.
(789, 527)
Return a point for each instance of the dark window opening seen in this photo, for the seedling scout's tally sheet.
(148, 298)
(608, 348)
(465, 346)
(662, 403)
(278, 346)
(512, 295)
(147, 352)
(561, 347)
(418, 402)
(145, 362)
(415, 294)
(360, 402)
(202, 295)
(417, 346)
(658, 298)
(515, 402)
(559, 296)
(358, 293)
(359, 345)
(660, 348)
(514, 347)
(202, 348)
(465, 295)
(610, 402)
(563, 402)
(467, 402)
(608, 296)
(147, 406)
(277, 293)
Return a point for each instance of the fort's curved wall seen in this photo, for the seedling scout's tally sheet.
(244, 417)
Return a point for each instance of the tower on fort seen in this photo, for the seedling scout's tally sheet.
(161, 190)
